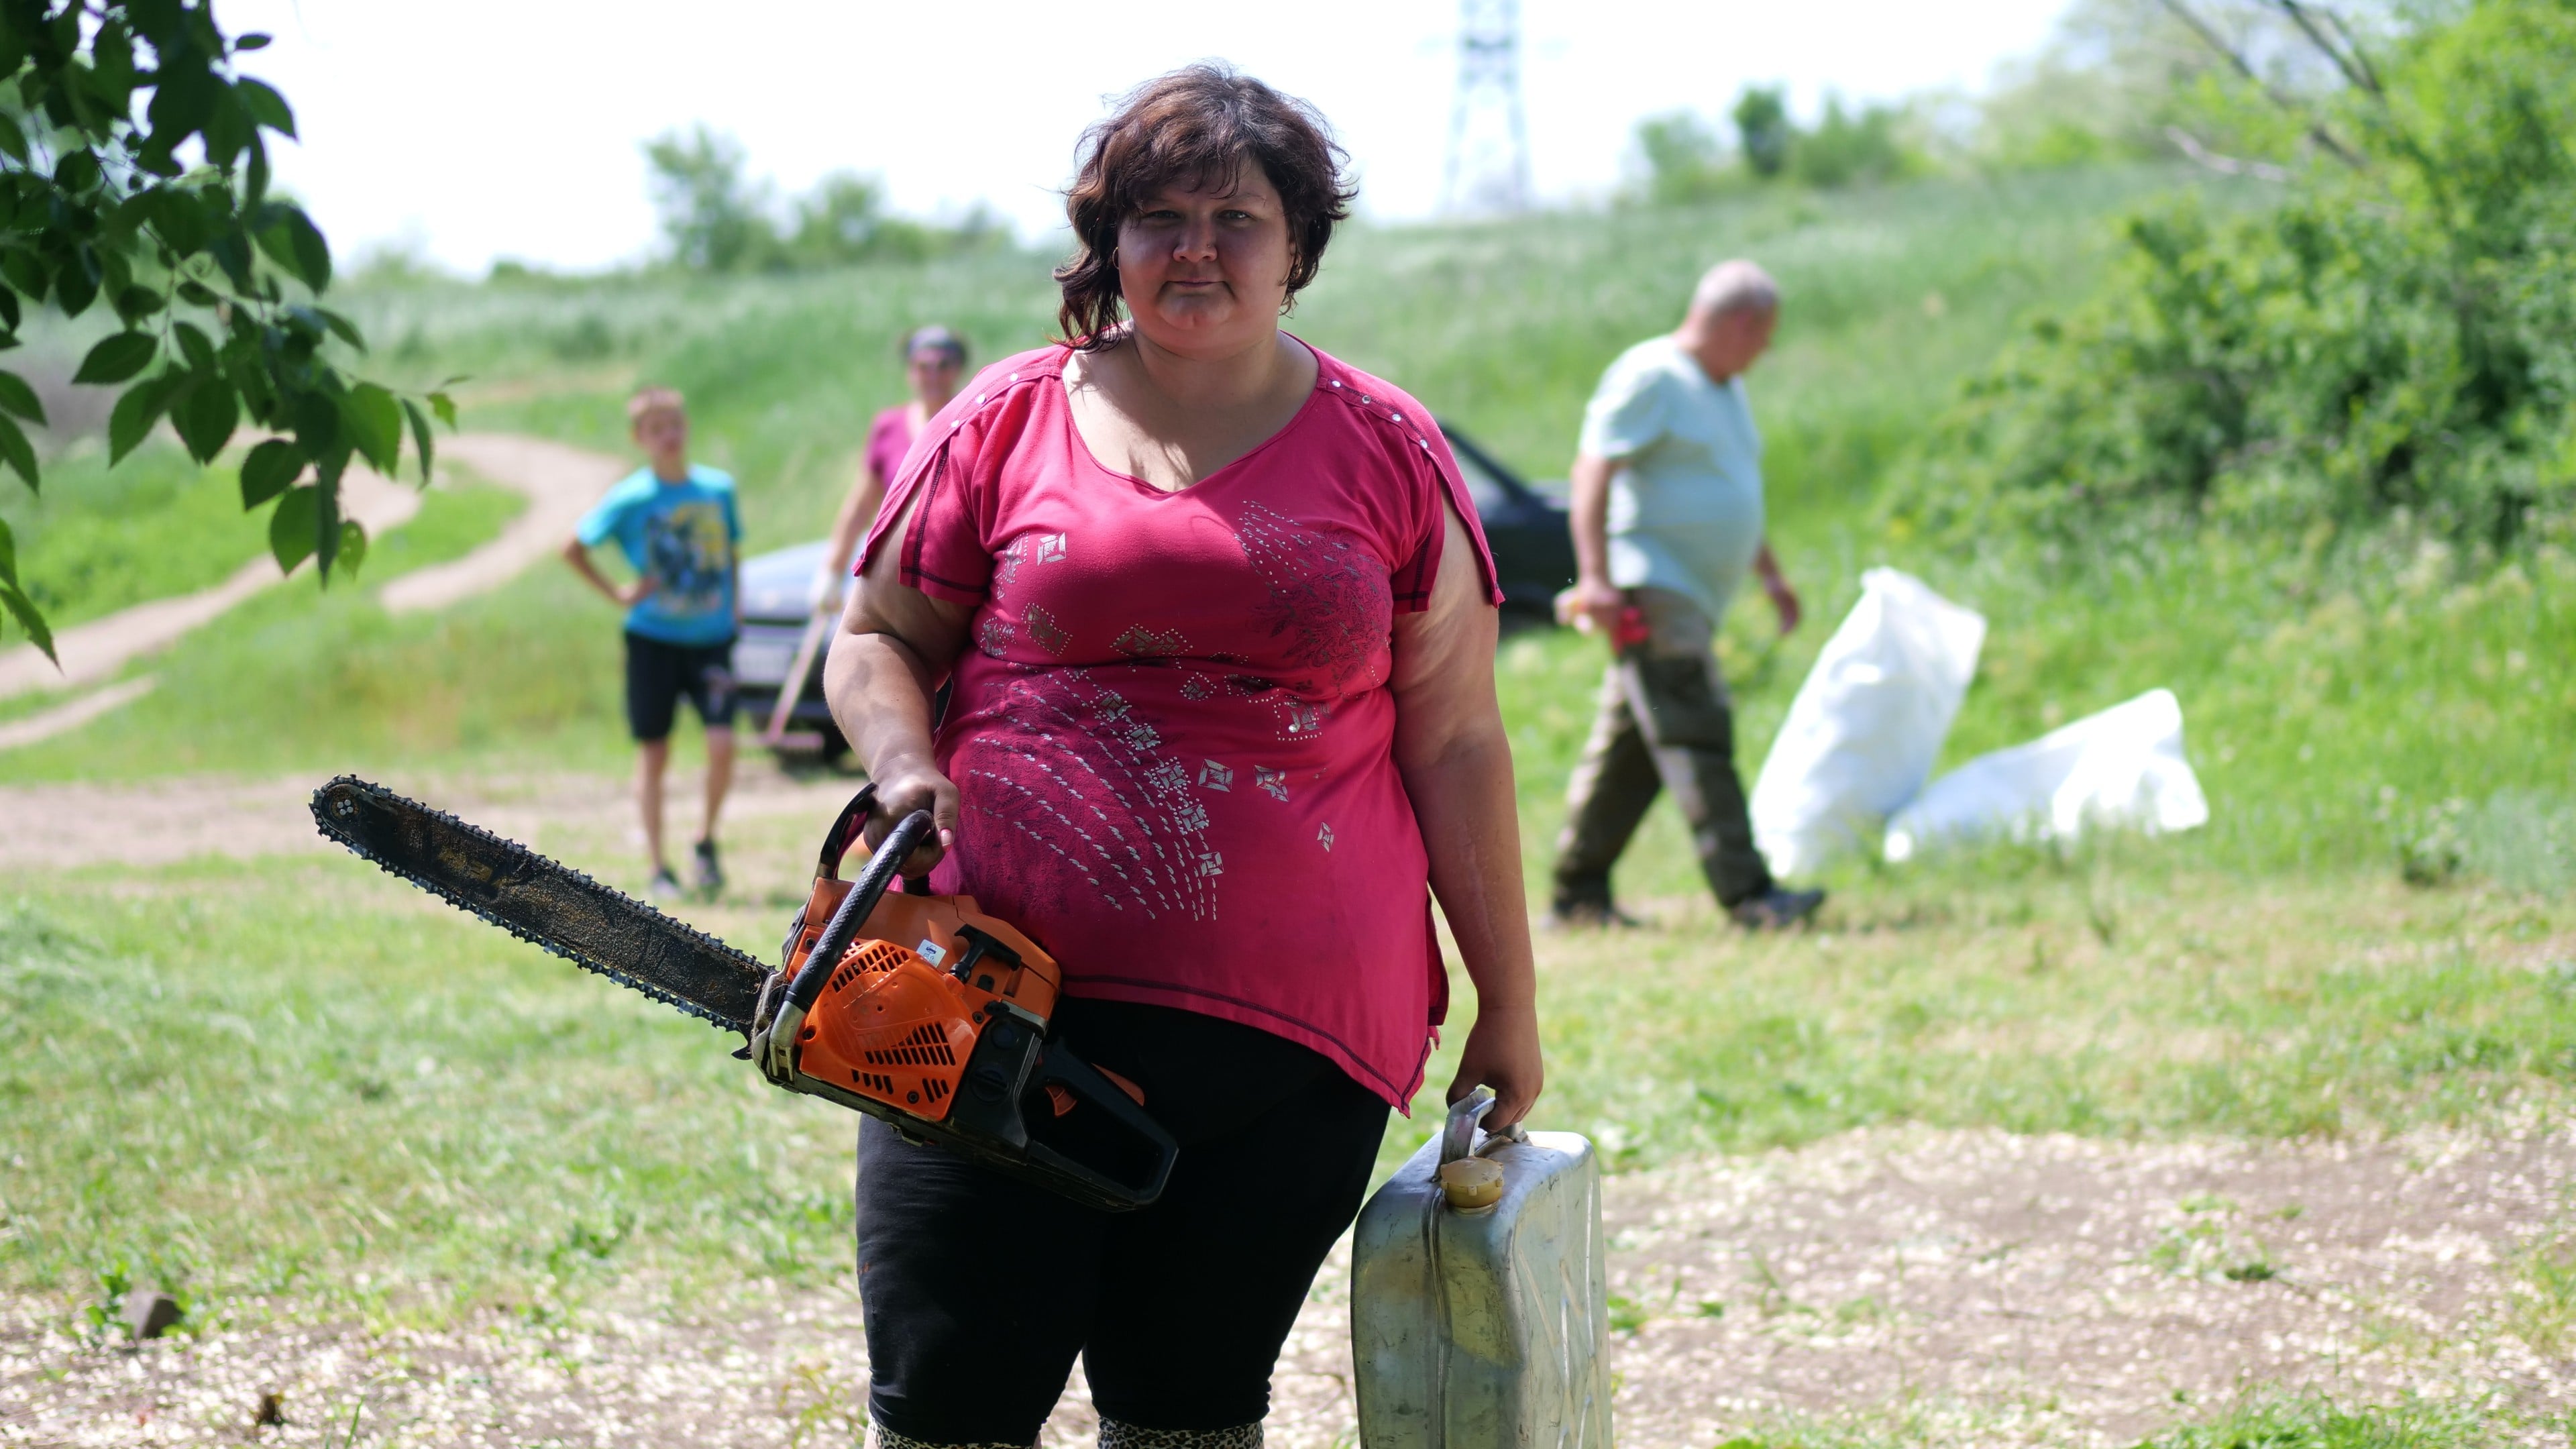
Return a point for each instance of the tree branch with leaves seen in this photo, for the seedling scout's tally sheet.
(134, 176)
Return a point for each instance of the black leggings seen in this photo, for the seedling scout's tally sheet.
(979, 1290)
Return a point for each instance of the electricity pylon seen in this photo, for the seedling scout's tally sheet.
(1488, 135)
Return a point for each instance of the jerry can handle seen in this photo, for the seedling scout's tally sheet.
(1458, 1135)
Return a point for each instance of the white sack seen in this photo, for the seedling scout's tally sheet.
(2122, 767)
(1868, 722)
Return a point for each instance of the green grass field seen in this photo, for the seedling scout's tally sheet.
(300, 1091)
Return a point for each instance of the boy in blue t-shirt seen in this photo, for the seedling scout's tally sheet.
(676, 524)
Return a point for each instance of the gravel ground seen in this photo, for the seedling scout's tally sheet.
(1942, 1287)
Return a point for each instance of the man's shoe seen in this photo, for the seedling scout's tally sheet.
(664, 886)
(710, 874)
(1776, 909)
(1590, 916)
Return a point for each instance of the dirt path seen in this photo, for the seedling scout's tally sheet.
(1941, 1288)
(98, 649)
(157, 822)
(559, 482)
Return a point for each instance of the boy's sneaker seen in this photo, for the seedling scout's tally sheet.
(710, 874)
(664, 886)
(1776, 909)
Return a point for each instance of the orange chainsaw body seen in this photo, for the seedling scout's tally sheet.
(896, 1022)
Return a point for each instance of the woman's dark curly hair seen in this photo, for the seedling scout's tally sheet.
(1195, 128)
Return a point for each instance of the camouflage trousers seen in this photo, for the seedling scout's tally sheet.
(1664, 723)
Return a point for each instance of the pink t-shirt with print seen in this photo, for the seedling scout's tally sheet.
(1172, 730)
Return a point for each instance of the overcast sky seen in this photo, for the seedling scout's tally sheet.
(477, 129)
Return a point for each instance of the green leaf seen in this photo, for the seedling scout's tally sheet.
(255, 175)
(374, 421)
(75, 285)
(26, 272)
(265, 105)
(8, 554)
(353, 548)
(14, 448)
(317, 426)
(251, 40)
(229, 253)
(17, 397)
(136, 303)
(228, 127)
(341, 327)
(77, 172)
(290, 528)
(420, 437)
(12, 140)
(326, 513)
(185, 216)
(196, 346)
(445, 406)
(206, 416)
(271, 469)
(293, 243)
(118, 357)
(29, 618)
(131, 420)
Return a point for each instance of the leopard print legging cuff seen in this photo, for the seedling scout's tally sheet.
(1117, 1435)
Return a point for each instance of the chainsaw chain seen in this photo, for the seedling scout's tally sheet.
(504, 844)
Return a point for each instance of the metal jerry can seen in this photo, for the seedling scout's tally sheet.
(1480, 1305)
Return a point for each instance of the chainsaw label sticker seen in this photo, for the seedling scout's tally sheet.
(930, 951)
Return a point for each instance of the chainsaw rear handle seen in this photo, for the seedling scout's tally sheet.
(900, 842)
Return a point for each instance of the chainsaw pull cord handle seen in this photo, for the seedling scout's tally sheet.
(906, 837)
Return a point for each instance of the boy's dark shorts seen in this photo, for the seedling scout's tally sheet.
(657, 674)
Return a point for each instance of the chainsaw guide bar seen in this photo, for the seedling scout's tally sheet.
(544, 902)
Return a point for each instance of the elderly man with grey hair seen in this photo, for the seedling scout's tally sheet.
(1667, 522)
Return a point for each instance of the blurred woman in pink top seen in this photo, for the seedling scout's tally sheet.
(934, 362)
(1219, 624)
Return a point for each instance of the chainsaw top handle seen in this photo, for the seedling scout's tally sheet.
(870, 887)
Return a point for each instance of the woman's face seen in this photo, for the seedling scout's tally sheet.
(935, 372)
(1205, 272)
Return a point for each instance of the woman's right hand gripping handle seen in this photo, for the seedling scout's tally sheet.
(911, 786)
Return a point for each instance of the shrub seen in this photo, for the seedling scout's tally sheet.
(2394, 343)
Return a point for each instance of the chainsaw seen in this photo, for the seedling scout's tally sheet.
(916, 1009)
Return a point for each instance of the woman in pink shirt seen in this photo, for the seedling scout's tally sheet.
(1220, 626)
(934, 362)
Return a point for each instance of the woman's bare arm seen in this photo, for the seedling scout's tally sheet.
(1457, 767)
(896, 645)
(858, 509)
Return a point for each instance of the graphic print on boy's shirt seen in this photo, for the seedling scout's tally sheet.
(689, 558)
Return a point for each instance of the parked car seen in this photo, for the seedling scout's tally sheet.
(1525, 524)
